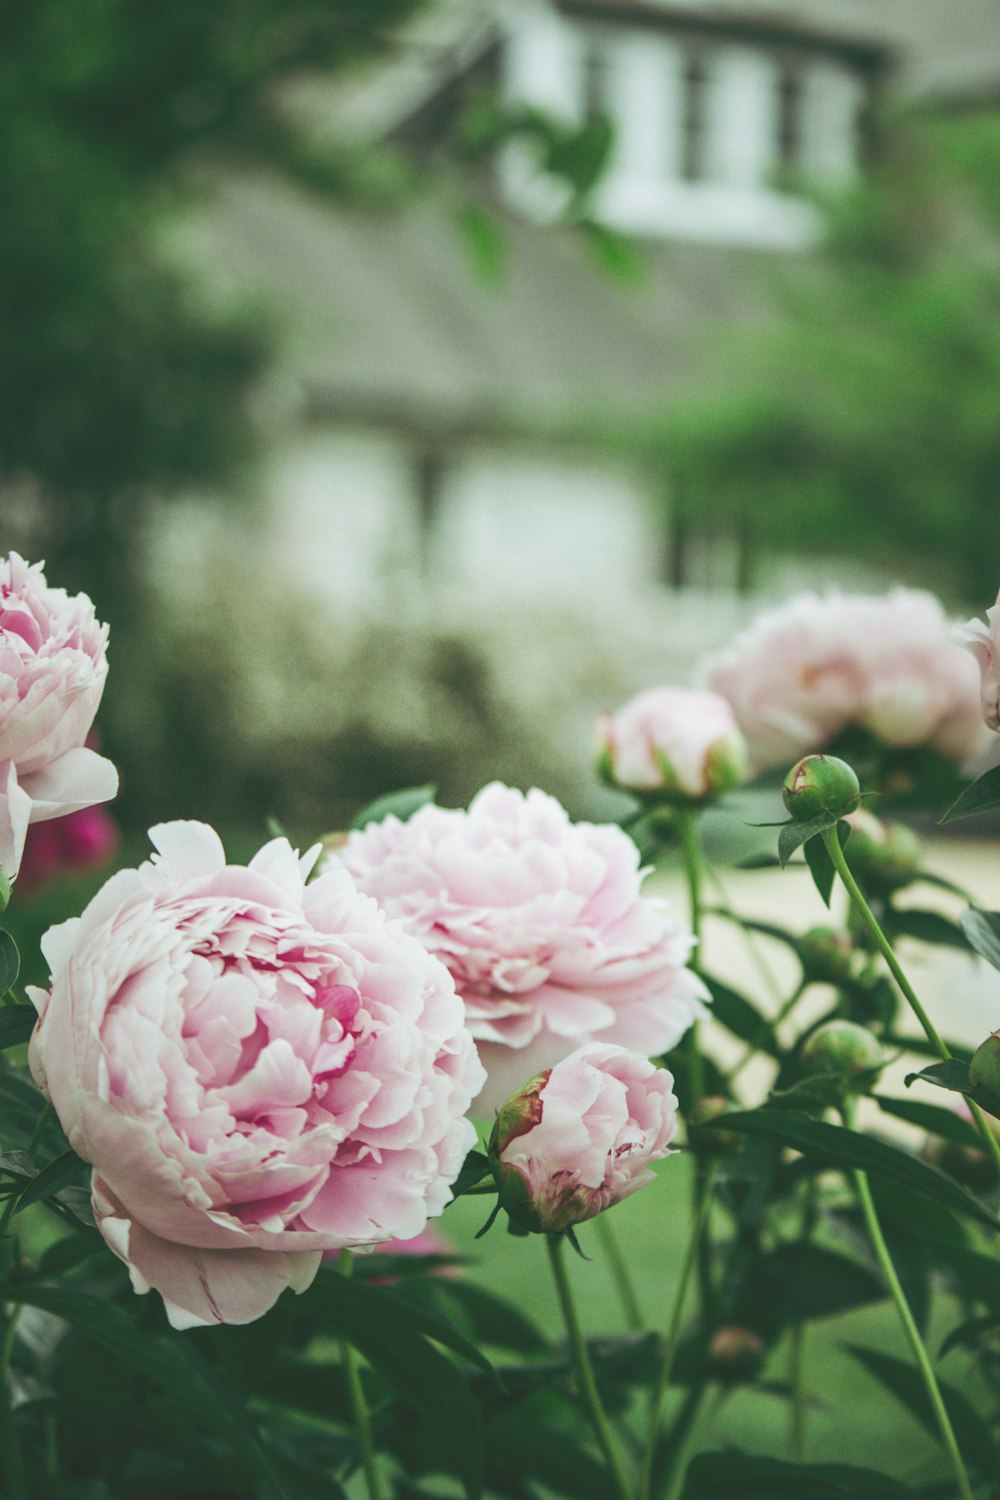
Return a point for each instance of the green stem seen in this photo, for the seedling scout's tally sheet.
(585, 1373)
(832, 841)
(10, 1446)
(910, 1328)
(36, 1134)
(750, 942)
(359, 1406)
(620, 1272)
(674, 1329)
(691, 844)
(798, 1431)
(754, 1047)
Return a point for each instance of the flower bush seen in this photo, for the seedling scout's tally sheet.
(249, 1089)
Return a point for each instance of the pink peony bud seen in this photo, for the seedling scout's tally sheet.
(983, 640)
(736, 1353)
(683, 744)
(580, 1137)
(53, 664)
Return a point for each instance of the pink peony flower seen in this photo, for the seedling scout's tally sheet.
(580, 1137)
(821, 664)
(983, 640)
(672, 740)
(52, 669)
(258, 1071)
(542, 925)
(82, 840)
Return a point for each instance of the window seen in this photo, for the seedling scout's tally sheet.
(789, 124)
(694, 118)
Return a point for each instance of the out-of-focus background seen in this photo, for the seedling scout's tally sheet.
(406, 382)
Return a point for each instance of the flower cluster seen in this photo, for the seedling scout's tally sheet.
(542, 924)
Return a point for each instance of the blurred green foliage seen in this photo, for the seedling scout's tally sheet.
(117, 378)
(865, 418)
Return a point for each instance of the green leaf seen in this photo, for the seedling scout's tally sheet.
(982, 930)
(489, 1319)
(733, 1475)
(402, 805)
(969, 1335)
(953, 1075)
(522, 1444)
(52, 1179)
(794, 834)
(740, 1017)
(163, 1360)
(393, 1338)
(850, 1150)
(932, 1118)
(982, 796)
(820, 864)
(905, 1382)
(475, 1167)
(797, 1283)
(10, 961)
(17, 1022)
(927, 927)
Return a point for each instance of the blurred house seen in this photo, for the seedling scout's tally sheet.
(443, 454)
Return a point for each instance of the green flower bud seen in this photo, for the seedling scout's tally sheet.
(883, 854)
(984, 1072)
(820, 784)
(825, 955)
(736, 1353)
(843, 1048)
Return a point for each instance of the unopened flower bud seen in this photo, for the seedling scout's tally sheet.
(580, 1137)
(672, 742)
(825, 955)
(984, 1072)
(842, 1048)
(885, 854)
(736, 1353)
(821, 784)
(705, 1137)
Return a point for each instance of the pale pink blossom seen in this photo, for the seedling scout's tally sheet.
(675, 740)
(53, 664)
(581, 1137)
(257, 1069)
(542, 924)
(823, 663)
(983, 639)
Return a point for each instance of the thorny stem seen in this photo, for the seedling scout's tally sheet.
(832, 841)
(584, 1369)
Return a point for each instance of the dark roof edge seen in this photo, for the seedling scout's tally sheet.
(734, 24)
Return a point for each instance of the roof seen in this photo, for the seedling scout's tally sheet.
(390, 326)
